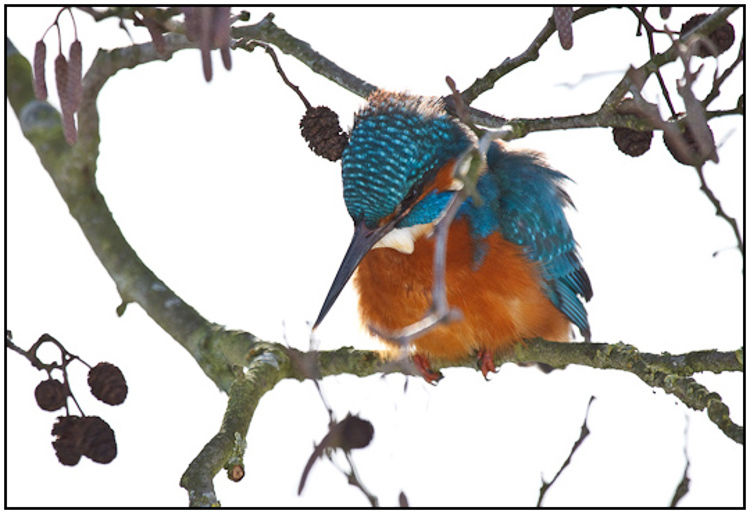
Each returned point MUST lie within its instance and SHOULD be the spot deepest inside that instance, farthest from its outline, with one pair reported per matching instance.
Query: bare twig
(250, 45)
(584, 433)
(660, 59)
(715, 89)
(721, 212)
(266, 30)
(684, 486)
(356, 481)
(531, 53)
(650, 30)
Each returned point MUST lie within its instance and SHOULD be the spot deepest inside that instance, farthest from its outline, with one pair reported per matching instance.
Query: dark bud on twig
(664, 12)
(631, 142)
(687, 150)
(356, 433)
(107, 383)
(351, 433)
(564, 23)
(320, 128)
(40, 83)
(51, 395)
(720, 39)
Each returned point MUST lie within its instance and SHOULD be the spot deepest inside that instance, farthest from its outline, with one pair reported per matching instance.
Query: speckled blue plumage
(399, 142)
(525, 202)
(396, 144)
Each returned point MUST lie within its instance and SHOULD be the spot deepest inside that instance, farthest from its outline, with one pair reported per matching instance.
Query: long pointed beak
(363, 240)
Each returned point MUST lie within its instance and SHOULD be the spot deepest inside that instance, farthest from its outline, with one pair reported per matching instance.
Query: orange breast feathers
(501, 301)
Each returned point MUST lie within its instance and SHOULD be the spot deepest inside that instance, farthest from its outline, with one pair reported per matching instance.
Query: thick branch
(270, 363)
(668, 372)
(218, 350)
(244, 395)
(73, 171)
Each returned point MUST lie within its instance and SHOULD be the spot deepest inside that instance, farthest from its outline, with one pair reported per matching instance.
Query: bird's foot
(486, 362)
(422, 363)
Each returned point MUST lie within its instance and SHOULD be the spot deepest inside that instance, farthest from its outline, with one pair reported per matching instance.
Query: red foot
(486, 362)
(423, 366)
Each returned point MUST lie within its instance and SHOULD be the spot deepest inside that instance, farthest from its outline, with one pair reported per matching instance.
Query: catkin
(40, 83)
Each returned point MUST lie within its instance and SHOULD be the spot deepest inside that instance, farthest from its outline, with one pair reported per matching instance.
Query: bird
(512, 263)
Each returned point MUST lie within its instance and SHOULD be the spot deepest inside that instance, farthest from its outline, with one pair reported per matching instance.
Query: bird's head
(397, 167)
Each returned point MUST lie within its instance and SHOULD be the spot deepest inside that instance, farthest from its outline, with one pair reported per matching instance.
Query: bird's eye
(411, 196)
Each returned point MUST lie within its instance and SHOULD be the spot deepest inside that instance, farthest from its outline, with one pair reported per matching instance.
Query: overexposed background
(219, 195)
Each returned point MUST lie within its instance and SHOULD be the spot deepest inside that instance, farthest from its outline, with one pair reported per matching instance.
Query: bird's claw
(422, 363)
(486, 362)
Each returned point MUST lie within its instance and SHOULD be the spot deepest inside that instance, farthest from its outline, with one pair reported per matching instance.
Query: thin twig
(266, 30)
(356, 481)
(705, 189)
(531, 53)
(584, 433)
(715, 89)
(250, 45)
(652, 52)
(684, 486)
(660, 59)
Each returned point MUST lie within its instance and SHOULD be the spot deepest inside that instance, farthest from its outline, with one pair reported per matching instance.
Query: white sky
(219, 195)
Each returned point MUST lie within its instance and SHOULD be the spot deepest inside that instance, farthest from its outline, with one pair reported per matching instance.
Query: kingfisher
(512, 264)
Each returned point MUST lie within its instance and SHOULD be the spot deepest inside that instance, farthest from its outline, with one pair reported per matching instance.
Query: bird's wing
(527, 201)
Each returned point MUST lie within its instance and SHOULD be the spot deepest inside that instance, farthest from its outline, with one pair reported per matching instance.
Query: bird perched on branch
(512, 267)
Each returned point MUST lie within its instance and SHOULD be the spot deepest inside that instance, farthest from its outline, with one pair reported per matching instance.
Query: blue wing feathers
(528, 207)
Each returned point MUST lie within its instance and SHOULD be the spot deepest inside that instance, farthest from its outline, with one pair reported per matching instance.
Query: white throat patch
(402, 239)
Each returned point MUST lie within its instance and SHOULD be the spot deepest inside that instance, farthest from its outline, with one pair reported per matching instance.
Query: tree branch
(584, 433)
(219, 351)
(248, 388)
(73, 171)
(657, 61)
(266, 30)
(270, 363)
(487, 82)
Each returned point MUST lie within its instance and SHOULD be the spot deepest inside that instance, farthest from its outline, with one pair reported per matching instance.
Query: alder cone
(69, 435)
(320, 128)
(692, 154)
(51, 394)
(108, 383)
(722, 38)
(83, 436)
(631, 142)
(99, 440)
